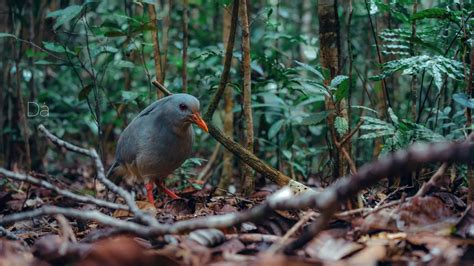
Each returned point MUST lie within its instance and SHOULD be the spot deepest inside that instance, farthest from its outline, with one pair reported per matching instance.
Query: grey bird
(157, 142)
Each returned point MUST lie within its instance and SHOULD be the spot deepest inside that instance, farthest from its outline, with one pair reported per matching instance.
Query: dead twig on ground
(438, 179)
(61, 191)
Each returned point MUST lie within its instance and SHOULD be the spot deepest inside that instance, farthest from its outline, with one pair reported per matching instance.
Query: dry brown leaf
(368, 256)
(443, 250)
(124, 251)
(465, 226)
(12, 253)
(329, 248)
(142, 205)
(180, 207)
(429, 214)
(55, 250)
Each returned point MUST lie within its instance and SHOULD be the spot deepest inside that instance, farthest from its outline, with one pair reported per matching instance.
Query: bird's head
(186, 108)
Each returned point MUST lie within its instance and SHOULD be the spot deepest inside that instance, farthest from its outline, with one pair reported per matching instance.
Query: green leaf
(56, 48)
(287, 154)
(377, 134)
(114, 33)
(435, 12)
(6, 35)
(393, 117)
(128, 96)
(463, 100)
(124, 64)
(338, 80)
(311, 69)
(64, 15)
(341, 125)
(275, 128)
(314, 119)
(43, 62)
(85, 92)
(434, 65)
(343, 87)
(30, 53)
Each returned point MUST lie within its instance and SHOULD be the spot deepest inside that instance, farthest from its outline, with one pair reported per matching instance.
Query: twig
(156, 46)
(227, 62)
(8, 234)
(283, 241)
(63, 192)
(255, 237)
(209, 164)
(97, 216)
(385, 94)
(436, 179)
(389, 196)
(350, 135)
(343, 150)
(162, 88)
(312, 230)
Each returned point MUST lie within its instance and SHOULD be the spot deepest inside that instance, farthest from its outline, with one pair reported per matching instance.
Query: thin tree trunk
(228, 158)
(470, 93)
(414, 80)
(166, 26)
(185, 45)
(330, 53)
(25, 131)
(305, 26)
(248, 176)
(156, 48)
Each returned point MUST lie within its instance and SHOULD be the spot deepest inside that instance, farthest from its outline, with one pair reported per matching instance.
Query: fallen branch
(392, 165)
(94, 215)
(277, 246)
(62, 192)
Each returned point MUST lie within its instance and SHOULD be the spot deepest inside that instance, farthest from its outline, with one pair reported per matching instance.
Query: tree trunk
(166, 26)
(248, 184)
(185, 45)
(330, 52)
(470, 93)
(156, 48)
(414, 80)
(228, 158)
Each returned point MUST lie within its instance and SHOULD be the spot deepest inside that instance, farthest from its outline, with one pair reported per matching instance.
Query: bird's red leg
(166, 190)
(149, 192)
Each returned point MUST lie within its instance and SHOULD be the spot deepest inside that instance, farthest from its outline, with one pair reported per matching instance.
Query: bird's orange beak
(197, 119)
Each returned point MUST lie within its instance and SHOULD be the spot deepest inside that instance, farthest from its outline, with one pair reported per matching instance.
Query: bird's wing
(150, 108)
(129, 142)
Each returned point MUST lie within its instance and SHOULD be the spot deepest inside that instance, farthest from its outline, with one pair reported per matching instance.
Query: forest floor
(390, 229)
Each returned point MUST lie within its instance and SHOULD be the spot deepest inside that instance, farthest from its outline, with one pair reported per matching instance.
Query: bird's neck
(181, 129)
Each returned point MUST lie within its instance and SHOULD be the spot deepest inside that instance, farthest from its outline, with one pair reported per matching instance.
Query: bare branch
(392, 165)
(227, 62)
(63, 192)
(94, 215)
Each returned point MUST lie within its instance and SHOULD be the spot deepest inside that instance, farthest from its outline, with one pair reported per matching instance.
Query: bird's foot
(167, 191)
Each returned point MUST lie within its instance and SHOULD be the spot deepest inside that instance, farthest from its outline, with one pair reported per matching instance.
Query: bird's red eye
(183, 107)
